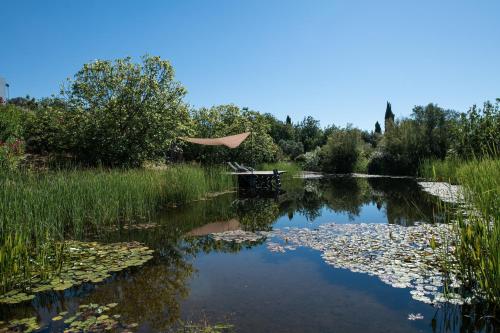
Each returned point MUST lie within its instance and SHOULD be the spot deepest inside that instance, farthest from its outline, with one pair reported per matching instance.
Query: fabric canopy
(231, 141)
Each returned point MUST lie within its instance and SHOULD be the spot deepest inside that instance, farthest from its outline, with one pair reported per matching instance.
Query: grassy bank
(39, 209)
(440, 170)
(478, 229)
(291, 168)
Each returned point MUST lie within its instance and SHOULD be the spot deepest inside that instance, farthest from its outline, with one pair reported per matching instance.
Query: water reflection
(192, 275)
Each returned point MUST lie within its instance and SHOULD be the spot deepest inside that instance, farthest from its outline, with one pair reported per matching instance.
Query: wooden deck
(260, 180)
(258, 173)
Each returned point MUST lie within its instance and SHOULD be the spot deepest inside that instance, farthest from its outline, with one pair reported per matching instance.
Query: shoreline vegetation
(112, 117)
(477, 227)
(39, 211)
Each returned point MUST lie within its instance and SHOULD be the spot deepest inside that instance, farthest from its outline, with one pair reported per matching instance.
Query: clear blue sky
(338, 61)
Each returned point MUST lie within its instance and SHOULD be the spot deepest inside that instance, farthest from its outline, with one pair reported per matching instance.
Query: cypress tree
(288, 120)
(378, 129)
(389, 117)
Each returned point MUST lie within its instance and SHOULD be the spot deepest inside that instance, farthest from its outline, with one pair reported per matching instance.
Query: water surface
(194, 278)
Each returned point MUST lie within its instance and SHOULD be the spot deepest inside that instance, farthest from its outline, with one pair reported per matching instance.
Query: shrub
(310, 161)
(341, 152)
(477, 132)
(291, 148)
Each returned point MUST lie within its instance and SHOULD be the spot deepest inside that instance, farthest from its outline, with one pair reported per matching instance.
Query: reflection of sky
(368, 213)
(296, 292)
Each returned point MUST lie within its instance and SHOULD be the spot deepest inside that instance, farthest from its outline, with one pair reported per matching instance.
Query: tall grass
(291, 169)
(440, 170)
(39, 209)
(478, 228)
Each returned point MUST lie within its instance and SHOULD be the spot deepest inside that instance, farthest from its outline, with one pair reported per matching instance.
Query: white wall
(3, 89)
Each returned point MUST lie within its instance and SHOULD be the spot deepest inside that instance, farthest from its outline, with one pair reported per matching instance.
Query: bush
(310, 161)
(12, 121)
(477, 132)
(224, 120)
(341, 152)
(291, 148)
(126, 113)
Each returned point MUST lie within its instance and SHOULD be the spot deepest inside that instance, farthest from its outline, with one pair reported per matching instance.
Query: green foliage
(477, 132)
(389, 117)
(440, 170)
(12, 121)
(410, 141)
(37, 209)
(54, 130)
(309, 133)
(127, 113)
(224, 120)
(311, 160)
(341, 152)
(378, 129)
(291, 148)
(479, 228)
(291, 169)
(478, 224)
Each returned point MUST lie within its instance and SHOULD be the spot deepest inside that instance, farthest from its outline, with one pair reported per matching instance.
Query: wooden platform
(259, 180)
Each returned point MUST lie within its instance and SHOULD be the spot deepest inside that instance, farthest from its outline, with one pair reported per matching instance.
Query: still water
(194, 278)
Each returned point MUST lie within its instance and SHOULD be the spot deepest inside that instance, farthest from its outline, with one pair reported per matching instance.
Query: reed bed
(37, 210)
(478, 227)
(440, 170)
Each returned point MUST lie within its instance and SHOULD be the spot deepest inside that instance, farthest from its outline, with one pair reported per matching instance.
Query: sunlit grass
(478, 227)
(39, 209)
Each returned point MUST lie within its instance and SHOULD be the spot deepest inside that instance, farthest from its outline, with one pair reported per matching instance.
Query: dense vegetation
(113, 117)
(39, 209)
(121, 114)
(478, 227)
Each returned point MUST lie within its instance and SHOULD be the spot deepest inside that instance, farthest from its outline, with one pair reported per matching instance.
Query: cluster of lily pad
(88, 318)
(26, 325)
(403, 257)
(83, 262)
(444, 191)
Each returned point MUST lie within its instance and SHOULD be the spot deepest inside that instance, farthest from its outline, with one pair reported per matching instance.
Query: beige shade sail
(231, 141)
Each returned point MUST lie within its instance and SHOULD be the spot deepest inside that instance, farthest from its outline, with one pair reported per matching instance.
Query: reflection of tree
(304, 198)
(466, 318)
(347, 194)
(404, 201)
(257, 213)
(207, 244)
(151, 295)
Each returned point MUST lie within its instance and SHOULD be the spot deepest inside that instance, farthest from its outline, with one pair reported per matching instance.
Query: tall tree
(310, 133)
(378, 129)
(389, 117)
(129, 112)
(288, 120)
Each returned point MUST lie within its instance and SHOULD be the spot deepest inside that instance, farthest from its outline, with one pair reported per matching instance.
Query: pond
(275, 278)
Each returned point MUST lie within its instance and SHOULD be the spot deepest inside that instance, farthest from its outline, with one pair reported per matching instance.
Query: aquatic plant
(477, 228)
(39, 210)
(440, 170)
(88, 318)
(79, 262)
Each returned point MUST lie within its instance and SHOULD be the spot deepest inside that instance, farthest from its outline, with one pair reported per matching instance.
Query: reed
(40, 209)
(440, 170)
(478, 248)
(478, 224)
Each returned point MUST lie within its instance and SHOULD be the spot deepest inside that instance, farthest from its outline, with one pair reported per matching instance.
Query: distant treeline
(121, 114)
